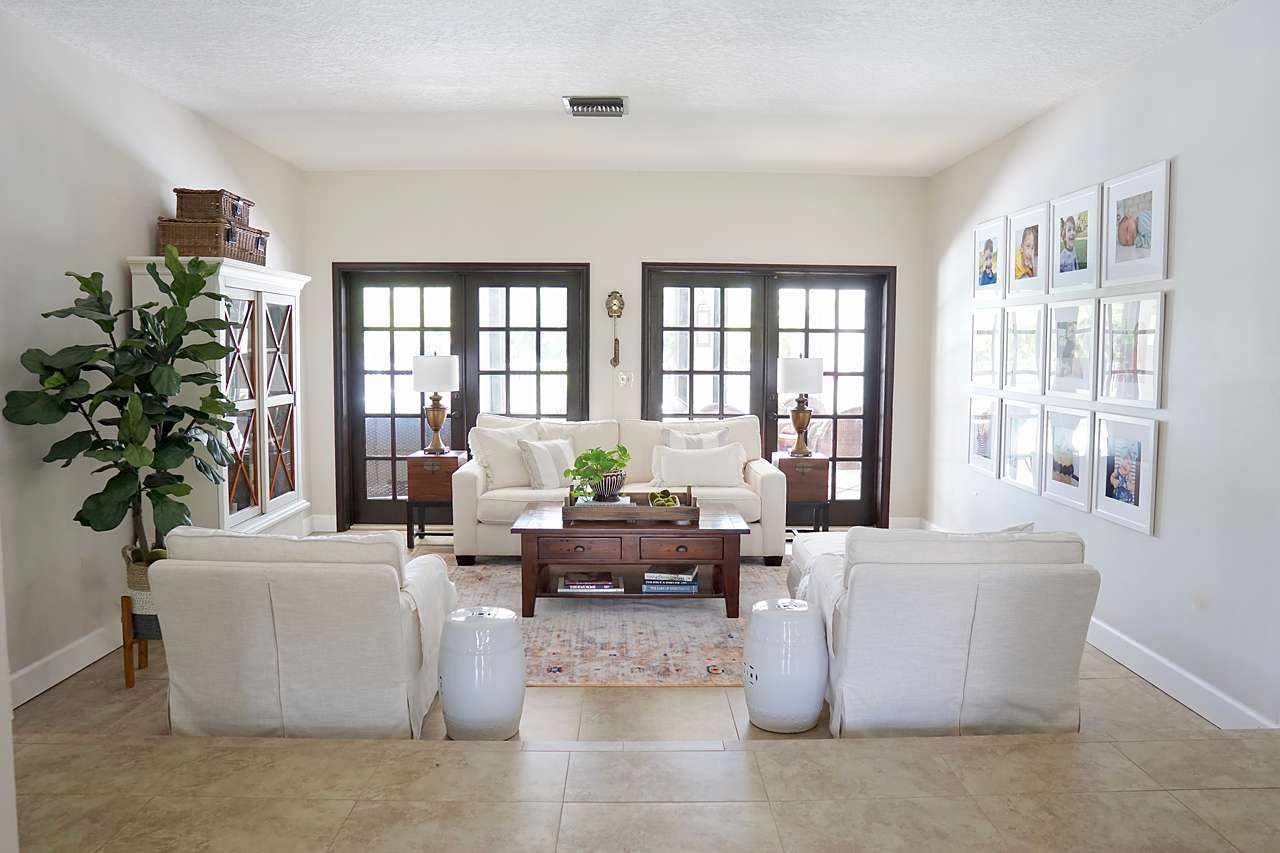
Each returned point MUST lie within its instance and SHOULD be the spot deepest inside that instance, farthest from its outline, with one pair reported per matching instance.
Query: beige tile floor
(604, 769)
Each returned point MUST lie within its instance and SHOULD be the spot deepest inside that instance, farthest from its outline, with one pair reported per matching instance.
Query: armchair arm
(468, 485)
(771, 485)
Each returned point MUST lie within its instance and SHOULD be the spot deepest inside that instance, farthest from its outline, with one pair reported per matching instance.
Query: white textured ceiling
(866, 86)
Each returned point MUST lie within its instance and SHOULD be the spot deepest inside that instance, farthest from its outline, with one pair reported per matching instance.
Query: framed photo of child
(1028, 244)
(1068, 456)
(1125, 471)
(984, 348)
(988, 259)
(1131, 329)
(1024, 349)
(984, 433)
(1074, 228)
(1072, 343)
(1136, 218)
(1020, 445)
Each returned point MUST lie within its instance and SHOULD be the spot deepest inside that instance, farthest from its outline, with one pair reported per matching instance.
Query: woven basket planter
(139, 585)
(217, 239)
(212, 205)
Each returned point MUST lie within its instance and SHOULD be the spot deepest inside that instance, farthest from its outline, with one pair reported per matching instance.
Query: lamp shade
(800, 375)
(433, 373)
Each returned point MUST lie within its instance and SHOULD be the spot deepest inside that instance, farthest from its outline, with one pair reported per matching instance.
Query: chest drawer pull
(681, 549)
(579, 548)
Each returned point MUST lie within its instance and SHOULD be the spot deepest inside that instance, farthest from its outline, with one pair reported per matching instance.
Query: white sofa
(482, 517)
(333, 636)
(944, 634)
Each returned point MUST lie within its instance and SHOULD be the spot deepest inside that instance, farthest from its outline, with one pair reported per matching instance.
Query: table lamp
(802, 377)
(435, 373)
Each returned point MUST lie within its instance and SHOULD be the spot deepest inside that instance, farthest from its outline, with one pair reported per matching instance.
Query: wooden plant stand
(126, 633)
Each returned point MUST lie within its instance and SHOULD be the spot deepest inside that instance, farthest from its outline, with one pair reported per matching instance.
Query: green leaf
(138, 456)
(212, 325)
(176, 490)
(91, 284)
(55, 380)
(34, 360)
(172, 454)
(202, 378)
(210, 473)
(161, 284)
(133, 423)
(132, 362)
(105, 454)
(165, 380)
(214, 403)
(34, 407)
(167, 513)
(74, 356)
(204, 351)
(106, 509)
(218, 451)
(174, 320)
(78, 388)
(70, 447)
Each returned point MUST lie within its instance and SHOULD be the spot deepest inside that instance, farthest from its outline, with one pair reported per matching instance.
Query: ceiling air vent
(595, 105)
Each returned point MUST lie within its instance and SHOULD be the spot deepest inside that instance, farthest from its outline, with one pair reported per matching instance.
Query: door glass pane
(848, 481)
(408, 401)
(555, 394)
(555, 306)
(408, 435)
(524, 306)
(436, 343)
(821, 435)
(737, 351)
(849, 395)
(786, 434)
(436, 302)
(706, 350)
(706, 306)
(493, 393)
(791, 344)
(377, 350)
(675, 306)
(377, 393)
(853, 308)
(280, 457)
(279, 352)
(791, 308)
(706, 395)
(493, 306)
(737, 395)
(737, 307)
(377, 476)
(402, 479)
(376, 306)
(242, 473)
(408, 345)
(853, 350)
(849, 437)
(675, 350)
(555, 351)
(407, 305)
(675, 394)
(822, 309)
(524, 394)
(493, 350)
(823, 345)
(241, 381)
(377, 436)
(524, 351)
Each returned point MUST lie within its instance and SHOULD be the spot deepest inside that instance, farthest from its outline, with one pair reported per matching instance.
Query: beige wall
(1193, 608)
(88, 160)
(615, 221)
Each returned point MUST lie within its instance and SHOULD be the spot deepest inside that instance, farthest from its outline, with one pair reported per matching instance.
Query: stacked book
(683, 582)
(592, 582)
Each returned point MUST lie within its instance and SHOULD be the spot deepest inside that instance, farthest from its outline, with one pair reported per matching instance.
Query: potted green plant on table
(132, 396)
(598, 474)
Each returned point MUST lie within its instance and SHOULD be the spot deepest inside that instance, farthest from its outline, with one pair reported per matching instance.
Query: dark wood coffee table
(545, 540)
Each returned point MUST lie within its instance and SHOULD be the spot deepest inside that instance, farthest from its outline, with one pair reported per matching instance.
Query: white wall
(88, 160)
(1193, 608)
(615, 221)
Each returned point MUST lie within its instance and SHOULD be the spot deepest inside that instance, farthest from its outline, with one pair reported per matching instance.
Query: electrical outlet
(626, 378)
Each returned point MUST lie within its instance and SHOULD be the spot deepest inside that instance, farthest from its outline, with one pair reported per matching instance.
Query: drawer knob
(680, 549)
(802, 470)
(579, 547)
(433, 468)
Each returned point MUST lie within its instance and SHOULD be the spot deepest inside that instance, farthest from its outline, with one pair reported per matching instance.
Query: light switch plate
(626, 378)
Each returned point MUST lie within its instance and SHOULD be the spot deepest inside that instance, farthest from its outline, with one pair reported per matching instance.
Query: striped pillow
(546, 462)
(681, 440)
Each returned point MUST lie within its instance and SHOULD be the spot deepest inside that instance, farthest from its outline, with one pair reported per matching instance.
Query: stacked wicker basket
(213, 224)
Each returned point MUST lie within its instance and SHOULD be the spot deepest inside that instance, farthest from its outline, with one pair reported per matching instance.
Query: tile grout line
(146, 802)
(1199, 817)
(337, 832)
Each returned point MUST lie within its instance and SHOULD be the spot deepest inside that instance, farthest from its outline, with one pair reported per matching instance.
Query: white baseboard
(1197, 694)
(323, 523)
(34, 679)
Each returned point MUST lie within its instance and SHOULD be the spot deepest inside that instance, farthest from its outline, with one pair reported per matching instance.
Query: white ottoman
(785, 665)
(481, 673)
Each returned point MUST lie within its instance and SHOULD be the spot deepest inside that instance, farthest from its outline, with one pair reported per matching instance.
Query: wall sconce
(613, 305)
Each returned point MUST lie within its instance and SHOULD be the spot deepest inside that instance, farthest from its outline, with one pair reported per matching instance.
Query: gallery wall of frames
(1067, 327)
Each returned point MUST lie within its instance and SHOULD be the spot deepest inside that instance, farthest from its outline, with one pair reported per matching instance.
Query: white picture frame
(1075, 219)
(986, 337)
(988, 273)
(1125, 450)
(1136, 221)
(1020, 438)
(1071, 349)
(1131, 349)
(1023, 350)
(1067, 456)
(1027, 273)
(984, 434)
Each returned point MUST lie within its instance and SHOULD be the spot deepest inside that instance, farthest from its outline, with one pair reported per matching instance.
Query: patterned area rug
(629, 642)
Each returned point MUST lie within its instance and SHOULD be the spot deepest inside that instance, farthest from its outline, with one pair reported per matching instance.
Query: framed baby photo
(984, 433)
(1072, 341)
(1125, 471)
(1131, 329)
(1020, 445)
(1136, 215)
(1028, 248)
(984, 348)
(1074, 227)
(988, 259)
(1068, 456)
(1023, 349)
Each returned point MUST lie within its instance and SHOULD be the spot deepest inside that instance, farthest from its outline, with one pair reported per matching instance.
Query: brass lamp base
(800, 417)
(435, 414)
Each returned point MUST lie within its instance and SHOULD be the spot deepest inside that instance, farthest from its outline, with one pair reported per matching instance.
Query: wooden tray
(633, 513)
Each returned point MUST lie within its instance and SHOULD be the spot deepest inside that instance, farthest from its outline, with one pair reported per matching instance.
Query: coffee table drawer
(580, 548)
(678, 548)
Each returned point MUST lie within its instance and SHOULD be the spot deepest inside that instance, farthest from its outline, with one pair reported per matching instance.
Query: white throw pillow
(719, 466)
(684, 440)
(546, 461)
(498, 452)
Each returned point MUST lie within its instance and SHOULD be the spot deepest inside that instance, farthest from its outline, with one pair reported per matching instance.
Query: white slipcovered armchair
(326, 636)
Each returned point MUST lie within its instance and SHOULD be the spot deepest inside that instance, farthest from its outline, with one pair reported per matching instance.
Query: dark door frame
(343, 361)
(651, 352)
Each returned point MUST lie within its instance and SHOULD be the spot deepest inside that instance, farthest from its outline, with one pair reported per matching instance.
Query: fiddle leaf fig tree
(124, 393)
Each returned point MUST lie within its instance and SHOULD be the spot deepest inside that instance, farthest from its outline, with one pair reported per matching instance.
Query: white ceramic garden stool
(481, 674)
(785, 665)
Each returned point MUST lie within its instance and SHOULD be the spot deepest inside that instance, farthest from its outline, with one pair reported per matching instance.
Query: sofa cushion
(584, 434)
(546, 462)
(718, 466)
(498, 452)
(225, 546)
(503, 506)
(744, 499)
(640, 437)
(808, 547)
(905, 546)
(683, 439)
